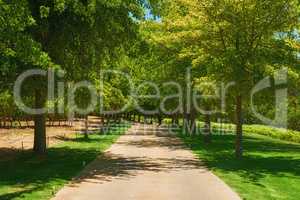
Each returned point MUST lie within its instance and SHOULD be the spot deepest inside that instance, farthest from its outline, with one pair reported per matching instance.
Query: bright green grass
(277, 133)
(270, 169)
(29, 177)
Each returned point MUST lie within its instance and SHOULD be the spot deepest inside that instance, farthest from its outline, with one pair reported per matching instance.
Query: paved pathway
(146, 166)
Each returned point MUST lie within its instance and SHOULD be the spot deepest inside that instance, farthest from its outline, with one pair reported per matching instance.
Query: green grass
(283, 134)
(277, 133)
(30, 177)
(270, 169)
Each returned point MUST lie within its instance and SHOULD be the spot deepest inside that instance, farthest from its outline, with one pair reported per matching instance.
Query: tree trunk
(190, 125)
(108, 120)
(115, 118)
(20, 124)
(239, 127)
(207, 129)
(119, 116)
(159, 119)
(86, 127)
(186, 121)
(193, 123)
(173, 120)
(40, 144)
(176, 119)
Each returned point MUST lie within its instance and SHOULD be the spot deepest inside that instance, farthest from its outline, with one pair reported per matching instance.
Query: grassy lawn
(270, 169)
(277, 133)
(29, 177)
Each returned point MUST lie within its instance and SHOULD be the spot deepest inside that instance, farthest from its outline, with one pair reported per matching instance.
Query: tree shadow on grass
(81, 139)
(62, 164)
(26, 170)
(262, 157)
(14, 195)
(27, 167)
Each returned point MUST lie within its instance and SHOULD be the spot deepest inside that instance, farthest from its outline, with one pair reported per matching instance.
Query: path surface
(145, 166)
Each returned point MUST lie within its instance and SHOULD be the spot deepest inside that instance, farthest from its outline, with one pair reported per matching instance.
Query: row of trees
(222, 41)
(218, 41)
(78, 36)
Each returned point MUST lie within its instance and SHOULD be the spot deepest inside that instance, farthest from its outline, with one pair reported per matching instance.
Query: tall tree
(231, 40)
(73, 34)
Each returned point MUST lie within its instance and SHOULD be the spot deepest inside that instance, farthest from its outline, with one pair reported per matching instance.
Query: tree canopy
(187, 42)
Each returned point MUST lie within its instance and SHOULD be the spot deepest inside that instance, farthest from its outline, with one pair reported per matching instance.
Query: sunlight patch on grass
(269, 170)
(31, 177)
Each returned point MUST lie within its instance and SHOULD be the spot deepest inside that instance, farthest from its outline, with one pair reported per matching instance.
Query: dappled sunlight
(265, 160)
(109, 167)
(58, 167)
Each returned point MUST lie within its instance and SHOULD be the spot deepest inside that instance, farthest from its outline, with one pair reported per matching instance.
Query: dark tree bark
(193, 124)
(40, 144)
(239, 127)
(108, 120)
(119, 118)
(115, 118)
(190, 124)
(86, 127)
(173, 120)
(186, 121)
(159, 119)
(134, 117)
(177, 119)
(207, 129)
